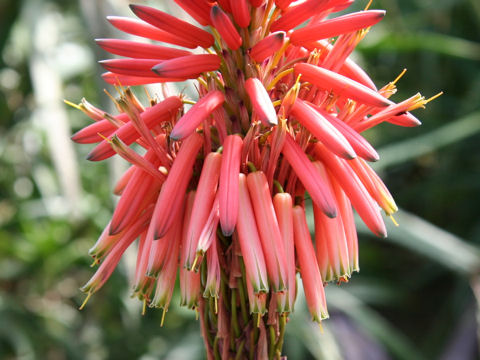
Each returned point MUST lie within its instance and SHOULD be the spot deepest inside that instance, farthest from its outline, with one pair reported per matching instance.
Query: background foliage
(415, 296)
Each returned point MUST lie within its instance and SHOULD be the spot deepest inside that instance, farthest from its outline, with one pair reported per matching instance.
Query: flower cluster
(219, 190)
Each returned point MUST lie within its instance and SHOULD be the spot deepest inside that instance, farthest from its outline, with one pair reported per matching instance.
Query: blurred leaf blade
(430, 41)
(428, 240)
(445, 135)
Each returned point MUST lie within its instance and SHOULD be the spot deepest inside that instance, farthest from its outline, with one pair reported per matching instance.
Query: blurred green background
(416, 295)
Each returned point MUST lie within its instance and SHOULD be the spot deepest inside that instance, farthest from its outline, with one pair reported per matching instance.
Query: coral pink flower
(206, 190)
(202, 109)
(261, 103)
(225, 28)
(228, 187)
(267, 46)
(170, 199)
(249, 240)
(267, 224)
(312, 280)
(217, 183)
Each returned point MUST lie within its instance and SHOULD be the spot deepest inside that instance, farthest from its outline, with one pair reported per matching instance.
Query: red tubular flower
(284, 100)
(334, 27)
(241, 12)
(153, 116)
(225, 28)
(358, 195)
(361, 146)
(309, 177)
(282, 203)
(142, 29)
(132, 80)
(341, 85)
(206, 190)
(312, 280)
(250, 243)
(330, 236)
(189, 67)
(300, 13)
(173, 25)
(322, 129)
(257, 3)
(139, 50)
(270, 235)
(228, 186)
(261, 103)
(199, 112)
(140, 190)
(170, 198)
(131, 67)
(198, 9)
(267, 46)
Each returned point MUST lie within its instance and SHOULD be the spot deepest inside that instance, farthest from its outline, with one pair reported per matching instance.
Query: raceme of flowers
(219, 187)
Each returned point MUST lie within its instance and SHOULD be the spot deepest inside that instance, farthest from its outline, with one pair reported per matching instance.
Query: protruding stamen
(163, 316)
(89, 295)
(433, 97)
(144, 307)
(78, 107)
(393, 220)
(399, 76)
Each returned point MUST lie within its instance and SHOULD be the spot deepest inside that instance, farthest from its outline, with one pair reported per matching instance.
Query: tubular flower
(219, 185)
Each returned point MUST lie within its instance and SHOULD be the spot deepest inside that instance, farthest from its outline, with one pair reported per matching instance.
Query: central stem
(231, 331)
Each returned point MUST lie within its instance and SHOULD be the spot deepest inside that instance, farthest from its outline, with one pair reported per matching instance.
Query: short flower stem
(283, 324)
(271, 343)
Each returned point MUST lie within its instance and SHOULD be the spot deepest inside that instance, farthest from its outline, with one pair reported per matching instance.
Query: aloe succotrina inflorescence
(218, 193)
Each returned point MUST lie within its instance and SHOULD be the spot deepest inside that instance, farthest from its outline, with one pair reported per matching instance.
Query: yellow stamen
(95, 262)
(434, 97)
(278, 77)
(195, 262)
(89, 295)
(399, 77)
(216, 305)
(190, 102)
(112, 98)
(368, 5)
(78, 107)
(105, 138)
(393, 220)
(144, 307)
(277, 103)
(196, 313)
(321, 328)
(163, 316)
(119, 88)
(258, 320)
(279, 54)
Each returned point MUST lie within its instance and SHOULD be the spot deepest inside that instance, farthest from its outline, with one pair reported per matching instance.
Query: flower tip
(382, 233)
(134, 8)
(92, 156)
(331, 213)
(215, 10)
(174, 136)
(373, 157)
(227, 231)
(349, 155)
(157, 68)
